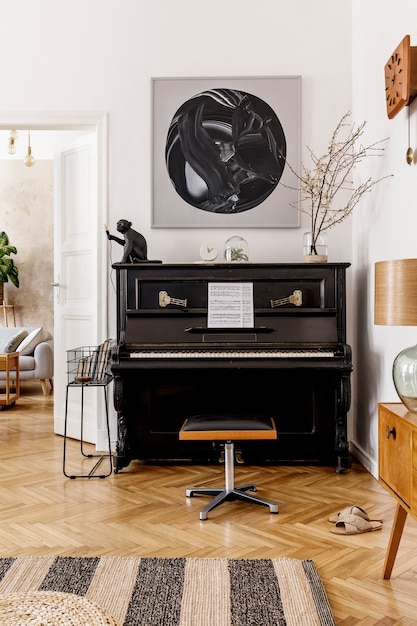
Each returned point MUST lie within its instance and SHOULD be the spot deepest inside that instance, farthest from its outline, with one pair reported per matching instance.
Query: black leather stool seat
(228, 428)
(218, 427)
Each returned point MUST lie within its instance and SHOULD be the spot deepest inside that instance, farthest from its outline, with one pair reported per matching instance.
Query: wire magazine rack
(89, 366)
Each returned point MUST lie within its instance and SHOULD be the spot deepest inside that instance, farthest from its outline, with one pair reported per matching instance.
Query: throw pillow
(12, 344)
(29, 344)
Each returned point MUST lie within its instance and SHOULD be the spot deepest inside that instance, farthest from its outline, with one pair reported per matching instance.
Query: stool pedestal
(226, 428)
(229, 492)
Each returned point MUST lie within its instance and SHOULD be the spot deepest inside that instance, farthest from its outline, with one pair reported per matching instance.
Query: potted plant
(327, 194)
(8, 270)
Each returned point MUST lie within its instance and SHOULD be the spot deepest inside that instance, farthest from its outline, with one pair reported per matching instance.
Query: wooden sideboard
(397, 468)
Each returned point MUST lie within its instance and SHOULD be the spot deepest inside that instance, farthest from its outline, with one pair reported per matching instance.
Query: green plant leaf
(8, 269)
(4, 240)
(7, 250)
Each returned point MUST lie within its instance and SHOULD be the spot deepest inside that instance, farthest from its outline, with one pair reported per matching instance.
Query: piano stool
(228, 428)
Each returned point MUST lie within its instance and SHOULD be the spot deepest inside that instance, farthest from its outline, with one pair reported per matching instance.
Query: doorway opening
(69, 125)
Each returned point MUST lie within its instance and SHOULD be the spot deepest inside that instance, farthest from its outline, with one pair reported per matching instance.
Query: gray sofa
(37, 359)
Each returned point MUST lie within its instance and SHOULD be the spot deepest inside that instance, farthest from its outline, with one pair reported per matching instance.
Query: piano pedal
(238, 458)
(218, 450)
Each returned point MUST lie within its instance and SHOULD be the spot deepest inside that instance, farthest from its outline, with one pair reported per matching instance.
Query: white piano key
(232, 354)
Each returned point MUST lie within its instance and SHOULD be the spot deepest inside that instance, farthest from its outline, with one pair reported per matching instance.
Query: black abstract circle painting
(225, 151)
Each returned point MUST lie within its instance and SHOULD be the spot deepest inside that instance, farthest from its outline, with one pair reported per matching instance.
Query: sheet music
(230, 305)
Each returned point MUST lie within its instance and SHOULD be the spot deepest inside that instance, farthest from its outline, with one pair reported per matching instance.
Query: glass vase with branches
(327, 193)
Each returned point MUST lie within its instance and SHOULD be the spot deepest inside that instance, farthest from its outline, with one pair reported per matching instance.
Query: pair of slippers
(353, 520)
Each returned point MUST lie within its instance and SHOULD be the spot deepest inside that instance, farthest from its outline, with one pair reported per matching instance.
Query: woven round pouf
(51, 608)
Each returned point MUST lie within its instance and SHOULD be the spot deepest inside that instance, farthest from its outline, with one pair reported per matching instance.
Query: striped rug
(180, 592)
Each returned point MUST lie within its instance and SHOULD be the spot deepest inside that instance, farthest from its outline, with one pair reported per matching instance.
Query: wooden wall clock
(401, 77)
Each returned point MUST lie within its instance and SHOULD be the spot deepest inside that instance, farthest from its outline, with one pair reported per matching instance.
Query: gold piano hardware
(295, 298)
(165, 299)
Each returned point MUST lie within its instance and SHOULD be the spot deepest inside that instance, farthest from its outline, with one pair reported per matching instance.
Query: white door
(79, 299)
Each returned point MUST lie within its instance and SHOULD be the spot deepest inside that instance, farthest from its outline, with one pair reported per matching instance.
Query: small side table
(8, 362)
(91, 474)
(89, 366)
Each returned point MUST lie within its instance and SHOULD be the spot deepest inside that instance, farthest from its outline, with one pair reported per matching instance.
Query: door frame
(77, 121)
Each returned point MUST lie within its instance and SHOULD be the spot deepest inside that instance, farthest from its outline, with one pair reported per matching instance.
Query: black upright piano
(291, 363)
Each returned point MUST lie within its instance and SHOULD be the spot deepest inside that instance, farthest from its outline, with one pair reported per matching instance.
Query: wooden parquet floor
(143, 511)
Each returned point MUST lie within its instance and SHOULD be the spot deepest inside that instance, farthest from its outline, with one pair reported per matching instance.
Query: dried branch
(331, 176)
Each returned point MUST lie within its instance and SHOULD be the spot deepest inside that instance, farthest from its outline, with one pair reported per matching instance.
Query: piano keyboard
(232, 354)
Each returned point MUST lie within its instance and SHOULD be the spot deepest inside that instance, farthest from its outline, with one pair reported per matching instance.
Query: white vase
(315, 251)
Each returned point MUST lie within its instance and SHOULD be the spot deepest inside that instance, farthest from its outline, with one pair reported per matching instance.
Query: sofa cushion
(29, 344)
(11, 344)
(26, 363)
(8, 332)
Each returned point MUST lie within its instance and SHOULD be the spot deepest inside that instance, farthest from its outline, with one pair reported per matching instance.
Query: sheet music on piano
(230, 305)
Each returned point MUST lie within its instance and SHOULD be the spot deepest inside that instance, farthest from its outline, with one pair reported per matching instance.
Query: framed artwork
(226, 152)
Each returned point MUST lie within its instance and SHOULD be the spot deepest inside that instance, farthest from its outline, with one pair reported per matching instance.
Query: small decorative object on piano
(135, 246)
(318, 244)
(236, 249)
(90, 364)
(326, 190)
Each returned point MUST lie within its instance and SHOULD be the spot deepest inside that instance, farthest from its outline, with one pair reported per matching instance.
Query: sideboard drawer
(396, 443)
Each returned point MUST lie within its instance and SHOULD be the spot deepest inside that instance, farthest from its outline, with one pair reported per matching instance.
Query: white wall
(385, 227)
(100, 55)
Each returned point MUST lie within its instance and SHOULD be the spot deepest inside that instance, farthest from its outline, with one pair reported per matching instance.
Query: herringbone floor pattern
(143, 511)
